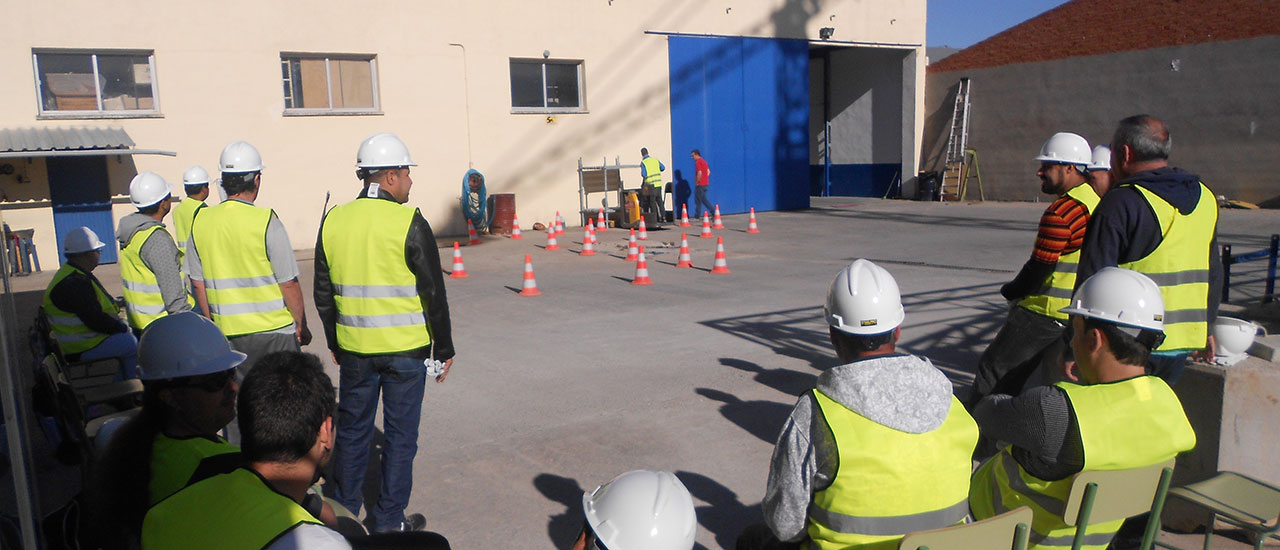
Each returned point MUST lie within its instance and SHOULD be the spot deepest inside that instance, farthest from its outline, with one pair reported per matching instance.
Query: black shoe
(412, 522)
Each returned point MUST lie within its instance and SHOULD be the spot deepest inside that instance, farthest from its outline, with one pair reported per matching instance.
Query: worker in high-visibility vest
(149, 259)
(1162, 222)
(1110, 416)
(85, 319)
(195, 182)
(651, 188)
(638, 510)
(381, 299)
(1031, 338)
(1098, 175)
(879, 448)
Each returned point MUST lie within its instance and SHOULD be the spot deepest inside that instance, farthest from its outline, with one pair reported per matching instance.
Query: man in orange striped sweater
(1032, 333)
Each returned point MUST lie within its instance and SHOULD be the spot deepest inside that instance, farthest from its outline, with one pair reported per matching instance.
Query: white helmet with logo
(81, 239)
(238, 157)
(864, 300)
(642, 510)
(384, 150)
(1120, 296)
(1101, 158)
(195, 175)
(184, 344)
(1066, 148)
(148, 189)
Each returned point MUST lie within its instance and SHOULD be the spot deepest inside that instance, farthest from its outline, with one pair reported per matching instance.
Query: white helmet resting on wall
(642, 510)
(182, 345)
(383, 150)
(195, 175)
(864, 300)
(148, 189)
(238, 157)
(81, 239)
(1101, 158)
(1121, 297)
(1066, 148)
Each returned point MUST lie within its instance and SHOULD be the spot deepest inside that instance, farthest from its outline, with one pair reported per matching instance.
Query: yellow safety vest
(174, 461)
(142, 298)
(1128, 424)
(235, 511)
(183, 216)
(1180, 265)
(72, 334)
(890, 483)
(244, 296)
(653, 171)
(1056, 292)
(379, 308)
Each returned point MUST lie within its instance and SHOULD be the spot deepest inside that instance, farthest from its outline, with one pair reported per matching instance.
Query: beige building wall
(219, 79)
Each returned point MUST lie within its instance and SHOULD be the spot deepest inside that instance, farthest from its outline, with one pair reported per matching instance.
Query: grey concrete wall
(1219, 100)
(867, 124)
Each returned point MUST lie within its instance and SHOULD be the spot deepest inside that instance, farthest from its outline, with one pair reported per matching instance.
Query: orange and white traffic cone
(706, 227)
(684, 216)
(559, 224)
(459, 270)
(530, 285)
(632, 251)
(515, 228)
(551, 237)
(685, 259)
(601, 225)
(644, 233)
(720, 267)
(642, 271)
(588, 242)
(717, 224)
(751, 224)
(471, 232)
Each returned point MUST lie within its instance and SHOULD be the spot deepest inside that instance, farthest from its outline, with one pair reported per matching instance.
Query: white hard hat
(1119, 296)
(81, 239)
(195, 175)
(239, 157)
(1065, 148)
(1101, 158)
(383, 150)
(642, 510)
(184, 344)
(1233, 336)
(864, 299)
(148, 189)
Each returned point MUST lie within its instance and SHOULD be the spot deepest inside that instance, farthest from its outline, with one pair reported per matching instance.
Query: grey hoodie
(903, 392)
(160, 255)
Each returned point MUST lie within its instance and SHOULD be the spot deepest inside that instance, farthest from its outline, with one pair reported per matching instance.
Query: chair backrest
(1007, 530)
(1118, 494)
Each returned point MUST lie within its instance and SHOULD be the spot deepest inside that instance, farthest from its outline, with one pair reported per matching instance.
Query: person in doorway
(195, 182)
(1099, 175)
(702, 182)
(651, 191)
(149, 259)
(879, 448)
(475, 207)
(638, 510)
(85, 319)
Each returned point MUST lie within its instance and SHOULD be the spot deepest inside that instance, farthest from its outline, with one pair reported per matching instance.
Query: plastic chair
(1238, 500)
(1007, 530)
(92, 381)
(1104, 496)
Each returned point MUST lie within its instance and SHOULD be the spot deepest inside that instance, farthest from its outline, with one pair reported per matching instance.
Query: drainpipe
(466, 91)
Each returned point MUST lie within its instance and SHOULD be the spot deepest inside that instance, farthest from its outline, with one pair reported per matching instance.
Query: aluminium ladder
(957, 143)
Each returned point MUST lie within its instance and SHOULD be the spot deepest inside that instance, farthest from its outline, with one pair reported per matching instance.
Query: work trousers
(700, 200)
(122, 346)
(256, 346)
(1167, 366)
(1027, 341)
(401, 382)
(654, 202)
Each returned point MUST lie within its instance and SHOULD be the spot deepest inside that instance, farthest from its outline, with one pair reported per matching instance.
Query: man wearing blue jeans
(381, 298)
(85, 319)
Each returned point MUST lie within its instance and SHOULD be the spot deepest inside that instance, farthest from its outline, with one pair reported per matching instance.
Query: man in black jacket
(84, 318)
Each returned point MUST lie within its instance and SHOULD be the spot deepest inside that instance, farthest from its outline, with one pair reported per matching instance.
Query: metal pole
(826, 160)
(13, 401)
(1271, 270)
(1226, 273)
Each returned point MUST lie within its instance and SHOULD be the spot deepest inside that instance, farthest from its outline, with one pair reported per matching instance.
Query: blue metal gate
(81, 195)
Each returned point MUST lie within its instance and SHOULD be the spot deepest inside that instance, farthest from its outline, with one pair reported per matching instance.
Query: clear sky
(963, 23)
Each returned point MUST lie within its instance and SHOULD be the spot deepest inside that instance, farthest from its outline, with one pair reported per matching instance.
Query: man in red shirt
(702, 176)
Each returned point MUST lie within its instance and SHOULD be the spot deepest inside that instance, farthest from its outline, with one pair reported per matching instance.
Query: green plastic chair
(1103, 496)
(1238, 500)
(1007, 530)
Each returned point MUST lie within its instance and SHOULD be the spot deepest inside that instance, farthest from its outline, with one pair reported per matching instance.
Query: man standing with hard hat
(1032, 332)
(1162, 222)
(638, 510)
(1111, 416)
(651, 170)
(195, 182)
(149, 260)
(84, 318)
(381, 298)
(879, 448)
(1099, 174)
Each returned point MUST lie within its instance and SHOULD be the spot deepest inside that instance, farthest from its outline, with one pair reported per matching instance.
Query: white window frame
(43, 113)
(376, 109)
(582, 86)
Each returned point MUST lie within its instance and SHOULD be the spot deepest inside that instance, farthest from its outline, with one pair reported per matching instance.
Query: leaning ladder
(957, 143)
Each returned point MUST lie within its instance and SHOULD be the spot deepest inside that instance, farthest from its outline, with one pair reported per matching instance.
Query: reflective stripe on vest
(183, 216)
(72, 334)
(1129, 424)
(652, 170)
(229, 511)
(142, 298)
(1180, 265)
(1056, 292)
(174, 461)
(376, 295)
(889, 482)
(244, 296)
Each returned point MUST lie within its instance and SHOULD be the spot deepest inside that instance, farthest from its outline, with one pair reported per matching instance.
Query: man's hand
(1210, 351)
(447, 363)
(303, 334)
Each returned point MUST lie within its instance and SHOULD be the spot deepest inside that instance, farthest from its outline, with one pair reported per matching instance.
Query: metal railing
(1268, 253)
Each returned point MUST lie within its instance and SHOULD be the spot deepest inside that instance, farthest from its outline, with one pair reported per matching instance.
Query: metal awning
(70, 142)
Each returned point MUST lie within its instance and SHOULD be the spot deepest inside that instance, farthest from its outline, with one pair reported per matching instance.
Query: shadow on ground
(725, 515)
(762, 419)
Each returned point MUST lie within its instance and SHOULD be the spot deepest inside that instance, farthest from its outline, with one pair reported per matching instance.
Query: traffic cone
(601, 225)
(706, 227)
(459, 270)
(751, 224)
(471, 232)
(515, 228)
(588, 243)
(718, 224)
(720, 267)
(685, 259)
(559, 224)
(642, 271)
(530, 285)
(551, 237)
(684, 216)
(632, 251)
(644, 233)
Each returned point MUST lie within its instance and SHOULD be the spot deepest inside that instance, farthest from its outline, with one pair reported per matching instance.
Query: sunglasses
(207, 382)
